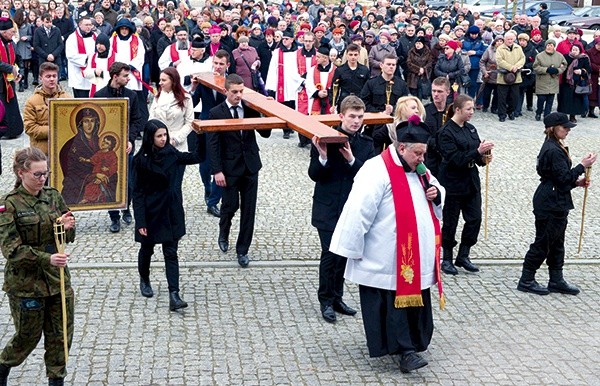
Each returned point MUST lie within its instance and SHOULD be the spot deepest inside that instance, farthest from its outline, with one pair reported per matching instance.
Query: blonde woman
(406, 107)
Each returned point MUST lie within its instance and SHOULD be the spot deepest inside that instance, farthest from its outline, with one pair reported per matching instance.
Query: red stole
(133, 50)
(81, 44)
(175, 52)
(322, 102)
(10, 59)
(408, 259)
(280, 81)
(302, 105)
(109, 62)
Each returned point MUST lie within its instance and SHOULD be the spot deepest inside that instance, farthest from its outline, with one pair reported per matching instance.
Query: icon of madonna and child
(90, 160)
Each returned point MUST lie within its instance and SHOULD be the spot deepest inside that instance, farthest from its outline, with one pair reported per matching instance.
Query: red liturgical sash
(408, 258)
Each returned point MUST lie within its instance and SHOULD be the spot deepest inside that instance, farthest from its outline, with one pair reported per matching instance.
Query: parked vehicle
(556, 8)
(592, 23)
(589, 11)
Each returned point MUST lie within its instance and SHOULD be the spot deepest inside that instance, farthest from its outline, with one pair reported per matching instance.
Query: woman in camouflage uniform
(31, 273)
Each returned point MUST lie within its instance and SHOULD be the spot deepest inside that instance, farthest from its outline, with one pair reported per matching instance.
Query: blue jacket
(476, 45)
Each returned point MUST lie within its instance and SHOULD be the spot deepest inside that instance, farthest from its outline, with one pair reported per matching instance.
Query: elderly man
(178, 52)
(509, 59)
(389, 231)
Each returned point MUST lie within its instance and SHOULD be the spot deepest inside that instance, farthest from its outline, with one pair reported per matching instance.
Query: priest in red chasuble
(389, 231)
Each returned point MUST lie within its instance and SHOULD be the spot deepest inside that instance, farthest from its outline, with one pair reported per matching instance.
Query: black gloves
(552, 70)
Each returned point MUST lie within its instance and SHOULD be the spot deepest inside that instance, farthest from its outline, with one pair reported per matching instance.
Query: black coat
(452, 68)
(45, 45)
(557, 178)
(373, 93)
(265, 52)
(157, 196)
(458, 147)
(351, 82)
(334, 180)
(433, 120)
(568, 101)
(230, 152)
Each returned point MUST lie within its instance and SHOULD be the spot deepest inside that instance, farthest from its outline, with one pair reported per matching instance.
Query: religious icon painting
(88, 152)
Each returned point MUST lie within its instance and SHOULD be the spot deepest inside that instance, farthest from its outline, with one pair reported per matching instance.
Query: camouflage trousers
(32, 317)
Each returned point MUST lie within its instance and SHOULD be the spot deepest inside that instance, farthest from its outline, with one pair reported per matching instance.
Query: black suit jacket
(45, 45)
(230, 152)
(334, 180)
(207, 96)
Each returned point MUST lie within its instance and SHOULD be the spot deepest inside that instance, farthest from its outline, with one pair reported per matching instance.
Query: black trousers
(470, 205)
(390, 330)
(544, 104)
(508, 96)
(549, 244)
(171, 262)
(331, 272)
(291, 105)
(114, 214)
(240, 193)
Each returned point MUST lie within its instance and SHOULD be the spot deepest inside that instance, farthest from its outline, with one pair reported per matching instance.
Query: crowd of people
(316, 59)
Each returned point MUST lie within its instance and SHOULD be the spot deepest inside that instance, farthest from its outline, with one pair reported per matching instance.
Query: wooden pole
(487, 188)
(588, 172)
(59, 238)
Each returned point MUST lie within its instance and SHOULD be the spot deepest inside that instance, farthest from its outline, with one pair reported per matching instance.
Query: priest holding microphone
(389, 231)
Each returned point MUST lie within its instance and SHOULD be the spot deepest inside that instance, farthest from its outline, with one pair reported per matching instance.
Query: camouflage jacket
(27, 241)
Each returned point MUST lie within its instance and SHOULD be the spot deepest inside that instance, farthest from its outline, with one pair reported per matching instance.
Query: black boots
(146, 288)
(447, 266)
(527, 283)
(462, 260)
(175, 302)
(4, 370)
(56, 381)
(591, 113)
(558, 284)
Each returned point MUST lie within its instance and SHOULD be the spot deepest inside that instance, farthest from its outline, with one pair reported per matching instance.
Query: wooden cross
(277, 116)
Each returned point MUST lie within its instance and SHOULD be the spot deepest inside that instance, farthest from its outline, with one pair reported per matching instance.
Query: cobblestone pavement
(262, 325)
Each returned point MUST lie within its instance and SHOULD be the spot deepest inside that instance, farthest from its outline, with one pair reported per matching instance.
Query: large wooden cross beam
(277, 116)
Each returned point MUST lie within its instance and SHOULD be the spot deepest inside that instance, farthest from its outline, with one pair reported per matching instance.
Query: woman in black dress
(578, 70)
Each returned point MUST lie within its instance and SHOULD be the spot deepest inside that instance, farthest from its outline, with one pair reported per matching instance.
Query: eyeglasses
(39, 175)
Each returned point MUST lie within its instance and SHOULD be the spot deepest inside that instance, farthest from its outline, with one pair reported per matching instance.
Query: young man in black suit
(333, 167)
(235, 162)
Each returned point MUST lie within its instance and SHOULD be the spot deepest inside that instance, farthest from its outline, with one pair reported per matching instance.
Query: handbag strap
(245, 61)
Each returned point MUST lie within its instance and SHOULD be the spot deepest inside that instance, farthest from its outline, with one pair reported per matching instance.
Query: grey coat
(546, 83)
(23, 47)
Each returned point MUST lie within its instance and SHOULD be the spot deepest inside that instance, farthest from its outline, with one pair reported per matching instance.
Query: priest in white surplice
(389, 231)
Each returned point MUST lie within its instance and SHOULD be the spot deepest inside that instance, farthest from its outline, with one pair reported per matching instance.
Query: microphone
(422, 172)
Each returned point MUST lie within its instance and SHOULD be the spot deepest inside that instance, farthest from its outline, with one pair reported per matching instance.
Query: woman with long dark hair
(551, 205)
(158, 205)
(173, 106)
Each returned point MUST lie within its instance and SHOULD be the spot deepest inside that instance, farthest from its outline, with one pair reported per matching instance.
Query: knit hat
(319, 28)
(444, 36)
(354, 23)
(523, 36)
(535, 32)
(421, 39)
(550, 41)
(473, 30)
(356, 37)
(305, 25)
(452, 44)
(385, 35)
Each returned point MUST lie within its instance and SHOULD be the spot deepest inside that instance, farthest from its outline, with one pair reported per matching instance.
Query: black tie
(235, 112)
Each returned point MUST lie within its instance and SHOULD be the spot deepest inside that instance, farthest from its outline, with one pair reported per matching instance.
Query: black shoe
(286, 135)
(56, 381)
(512, 116)
(494, 111)
(21, 89)
(592, 115)
(146, 288)
(127, 219)
(175, 302)
(35, 83)
(502, 119)
(538, 117)
(532, 286)
(529, 108)
(115, 226)
(449, 268)
(563, 287)
(343, 308)
(223, 244)
(465, 263)
(25, 86)
(572, 118)
(214, 210)
(411, 361)
(328, 314)
(243, 260)
(484, 110)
